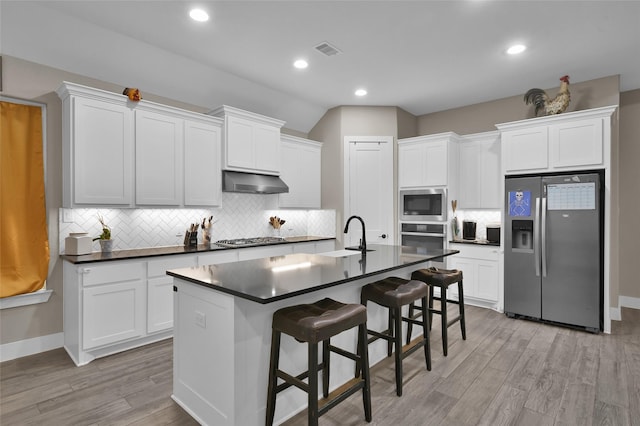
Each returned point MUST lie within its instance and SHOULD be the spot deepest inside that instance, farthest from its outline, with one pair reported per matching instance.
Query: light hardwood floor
(506, 372)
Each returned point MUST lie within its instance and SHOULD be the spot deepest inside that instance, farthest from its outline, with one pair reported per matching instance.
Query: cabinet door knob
(383, 236)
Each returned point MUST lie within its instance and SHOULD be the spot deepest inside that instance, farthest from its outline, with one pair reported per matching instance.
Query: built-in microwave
(423, 205)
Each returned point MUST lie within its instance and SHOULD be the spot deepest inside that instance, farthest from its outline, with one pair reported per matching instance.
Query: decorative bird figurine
(132, 93)
(541, 101)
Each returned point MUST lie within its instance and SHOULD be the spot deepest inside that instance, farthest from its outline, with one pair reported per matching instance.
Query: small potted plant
(106, 243)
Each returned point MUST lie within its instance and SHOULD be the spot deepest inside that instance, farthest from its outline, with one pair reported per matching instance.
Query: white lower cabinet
(159, 304)
(112, 313)
(480, 273)
(264, 251)
(314, 247)
(160, 290)
(114, 306)
(214, 258)
(105, 308)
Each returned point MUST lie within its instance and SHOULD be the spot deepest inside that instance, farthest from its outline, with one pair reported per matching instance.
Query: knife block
(191, 239)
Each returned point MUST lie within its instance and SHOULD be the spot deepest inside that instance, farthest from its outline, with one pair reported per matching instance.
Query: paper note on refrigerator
(571, 196)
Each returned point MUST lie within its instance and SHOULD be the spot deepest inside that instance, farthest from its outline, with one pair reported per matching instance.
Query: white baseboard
(614, 314)
(26, 347)
(629, 302)
(623, 302)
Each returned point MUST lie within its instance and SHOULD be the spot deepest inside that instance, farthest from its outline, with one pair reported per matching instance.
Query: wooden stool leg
(313, 385)
(443, 315)
(326, 355)
(273, 379)
(398, 344)
(463, 327)
(364, 362)
(426, 334)
(390, 328)
(410, 324)
(359, 346)
(430, 306)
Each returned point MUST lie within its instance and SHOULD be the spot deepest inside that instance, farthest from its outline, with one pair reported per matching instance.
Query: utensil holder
(191, 238)
(206, 236)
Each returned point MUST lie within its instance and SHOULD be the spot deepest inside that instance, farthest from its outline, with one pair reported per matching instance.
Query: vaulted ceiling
(423, 56)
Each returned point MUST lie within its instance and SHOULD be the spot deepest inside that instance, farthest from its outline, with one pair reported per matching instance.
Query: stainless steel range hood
(252, 183)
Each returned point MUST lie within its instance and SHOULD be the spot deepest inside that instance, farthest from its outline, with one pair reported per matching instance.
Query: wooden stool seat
(394, 293)
(316, 323)
(443, 278)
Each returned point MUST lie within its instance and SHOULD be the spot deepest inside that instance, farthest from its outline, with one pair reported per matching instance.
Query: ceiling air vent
(327, 49)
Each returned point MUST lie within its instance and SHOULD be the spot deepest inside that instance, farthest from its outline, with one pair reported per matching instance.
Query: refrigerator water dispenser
(522, 234)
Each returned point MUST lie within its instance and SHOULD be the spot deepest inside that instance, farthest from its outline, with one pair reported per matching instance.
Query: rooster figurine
(541, 101)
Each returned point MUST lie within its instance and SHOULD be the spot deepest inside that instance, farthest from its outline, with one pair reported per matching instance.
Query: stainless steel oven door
(424, 237)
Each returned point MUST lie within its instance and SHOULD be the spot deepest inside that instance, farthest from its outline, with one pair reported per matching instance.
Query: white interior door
(369, 188)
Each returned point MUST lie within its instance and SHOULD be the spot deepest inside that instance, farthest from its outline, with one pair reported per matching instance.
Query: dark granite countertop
(170, 250)
(280, 277)
(476, 242)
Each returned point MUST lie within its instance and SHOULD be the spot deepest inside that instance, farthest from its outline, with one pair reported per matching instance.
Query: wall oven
(423, 205)
(424, 237)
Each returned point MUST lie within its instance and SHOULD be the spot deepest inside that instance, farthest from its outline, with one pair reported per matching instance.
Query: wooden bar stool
(442, 278)
(315, 323)
(394, 293)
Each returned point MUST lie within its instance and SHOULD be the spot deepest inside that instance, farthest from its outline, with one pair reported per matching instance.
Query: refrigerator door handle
(543, 251)
(536, 238)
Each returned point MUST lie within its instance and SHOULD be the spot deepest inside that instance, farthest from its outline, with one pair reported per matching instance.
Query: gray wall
(483, 117)
(26, 80)
(344, 121)
(629, 190)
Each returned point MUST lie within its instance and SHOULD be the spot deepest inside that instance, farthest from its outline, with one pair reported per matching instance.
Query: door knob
(383, 236)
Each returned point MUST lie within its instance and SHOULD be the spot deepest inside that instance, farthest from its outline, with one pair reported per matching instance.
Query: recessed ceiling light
(301, 64)
(516, 48)
(199, 15)
(361, 92)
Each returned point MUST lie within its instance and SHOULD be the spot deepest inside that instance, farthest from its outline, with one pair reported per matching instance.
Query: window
(24, 242)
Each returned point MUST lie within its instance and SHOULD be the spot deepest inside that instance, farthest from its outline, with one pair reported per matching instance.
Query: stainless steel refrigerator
(553, 253)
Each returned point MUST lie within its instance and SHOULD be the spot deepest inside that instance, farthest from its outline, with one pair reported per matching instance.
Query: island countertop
(276, 278)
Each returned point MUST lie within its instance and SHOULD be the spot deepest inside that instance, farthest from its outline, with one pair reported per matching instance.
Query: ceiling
(423, 56)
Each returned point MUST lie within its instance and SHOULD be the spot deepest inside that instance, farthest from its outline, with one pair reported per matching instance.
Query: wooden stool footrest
(339, 394)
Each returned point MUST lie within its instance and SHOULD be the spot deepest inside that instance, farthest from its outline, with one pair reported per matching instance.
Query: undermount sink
(357, 249)
(339, 253)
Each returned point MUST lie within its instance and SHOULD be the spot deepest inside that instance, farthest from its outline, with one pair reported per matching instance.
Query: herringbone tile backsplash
(241, 216)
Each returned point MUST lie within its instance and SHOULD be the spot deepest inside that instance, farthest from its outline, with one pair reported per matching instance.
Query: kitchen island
(222, 325)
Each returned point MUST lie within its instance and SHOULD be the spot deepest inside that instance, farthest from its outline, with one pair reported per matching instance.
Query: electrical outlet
(201, 319)
(67, 216)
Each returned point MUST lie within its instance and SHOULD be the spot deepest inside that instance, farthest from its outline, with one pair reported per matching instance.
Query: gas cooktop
(247, 242)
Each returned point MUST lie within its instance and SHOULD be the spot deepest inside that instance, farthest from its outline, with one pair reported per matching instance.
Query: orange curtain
(24, 243)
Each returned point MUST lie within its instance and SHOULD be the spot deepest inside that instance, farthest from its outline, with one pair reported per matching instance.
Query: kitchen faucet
(363, 242)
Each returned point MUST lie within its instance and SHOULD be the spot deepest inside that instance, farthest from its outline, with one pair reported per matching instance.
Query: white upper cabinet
(571, 141)
(104, 132)
(526, 149)
(98, 148)
(480, 175)
(427, 160)
(202, 169)
(576, 143)
(301, 171)
(159, 150)
(251, 142)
